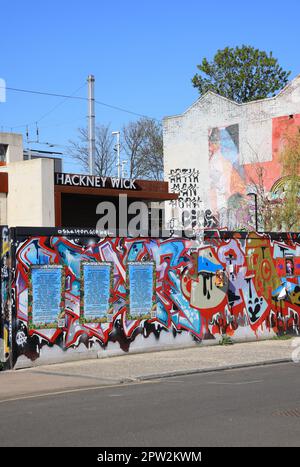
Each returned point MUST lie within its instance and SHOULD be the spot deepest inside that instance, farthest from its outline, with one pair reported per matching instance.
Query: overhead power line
(114, 107)
(124, 110)
(60, 103)
(50, 111)
(30, 91)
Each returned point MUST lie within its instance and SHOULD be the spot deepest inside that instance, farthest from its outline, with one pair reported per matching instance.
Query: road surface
(257, 406)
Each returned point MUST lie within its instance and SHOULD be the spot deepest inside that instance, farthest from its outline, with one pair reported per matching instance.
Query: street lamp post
(255, 206)
(91, 124)
(117, 134)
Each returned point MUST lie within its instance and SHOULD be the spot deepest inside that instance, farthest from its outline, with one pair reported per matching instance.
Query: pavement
(135, 368)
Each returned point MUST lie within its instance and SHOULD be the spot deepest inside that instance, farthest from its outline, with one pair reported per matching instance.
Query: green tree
(241, 74)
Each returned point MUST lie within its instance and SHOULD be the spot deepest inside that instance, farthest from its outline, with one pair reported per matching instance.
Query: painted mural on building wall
(242, 287)
(227, 177)
(231, 179)
(282, 128)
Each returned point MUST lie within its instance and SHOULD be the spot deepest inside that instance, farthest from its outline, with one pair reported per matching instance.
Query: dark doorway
(80, 210)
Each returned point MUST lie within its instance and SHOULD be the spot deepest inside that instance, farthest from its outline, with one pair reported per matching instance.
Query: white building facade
(213, 150)
(27, 194)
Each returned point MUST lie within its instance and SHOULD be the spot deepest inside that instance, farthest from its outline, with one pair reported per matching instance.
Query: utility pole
(117, 134)
(91, 123)
(256, 209)
(124, 171)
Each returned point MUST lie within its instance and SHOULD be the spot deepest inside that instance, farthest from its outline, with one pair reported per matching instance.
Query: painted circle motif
(266, 270)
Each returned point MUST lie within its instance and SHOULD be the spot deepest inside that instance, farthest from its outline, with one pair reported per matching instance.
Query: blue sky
(143, 55)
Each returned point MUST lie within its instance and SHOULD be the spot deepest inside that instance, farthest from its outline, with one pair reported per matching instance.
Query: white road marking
(174, 381)
(122, 385)
(71, 391)
(235, 382)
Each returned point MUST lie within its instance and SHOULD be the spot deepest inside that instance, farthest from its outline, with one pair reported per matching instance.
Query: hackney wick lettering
(93, 181)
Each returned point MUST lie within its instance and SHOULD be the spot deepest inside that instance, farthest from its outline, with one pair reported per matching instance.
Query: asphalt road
(246, 407)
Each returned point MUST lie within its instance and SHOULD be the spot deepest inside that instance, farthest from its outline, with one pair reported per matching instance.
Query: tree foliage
(280, 210)
(241, 74)
(104, 154)
(141, 146)
(265, 206)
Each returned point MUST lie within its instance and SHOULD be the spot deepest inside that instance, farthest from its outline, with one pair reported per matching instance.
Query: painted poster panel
(140, 290)
(45, 296)
(96, 285)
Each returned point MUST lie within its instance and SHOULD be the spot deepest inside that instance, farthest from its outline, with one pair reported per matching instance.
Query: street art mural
(282, 128)
(231, 179)
(238, 285)
(227, 176)
(5, 316)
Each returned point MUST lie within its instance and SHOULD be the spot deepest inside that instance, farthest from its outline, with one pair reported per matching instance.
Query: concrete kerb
(170, 374)
(212, 370)
(192, 371)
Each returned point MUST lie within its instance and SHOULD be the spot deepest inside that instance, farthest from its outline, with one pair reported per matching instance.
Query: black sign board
(93, 181)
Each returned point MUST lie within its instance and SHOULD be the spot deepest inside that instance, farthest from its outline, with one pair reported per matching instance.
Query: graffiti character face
(220, 278)
(203, 289)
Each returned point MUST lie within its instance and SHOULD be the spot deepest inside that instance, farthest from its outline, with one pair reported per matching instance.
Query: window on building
(3, 152)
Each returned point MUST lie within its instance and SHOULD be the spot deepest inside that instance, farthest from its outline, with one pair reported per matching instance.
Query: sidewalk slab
(142, 367)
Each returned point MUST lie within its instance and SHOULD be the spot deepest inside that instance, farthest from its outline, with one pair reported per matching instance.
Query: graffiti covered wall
(5, 309)
(84, 296)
